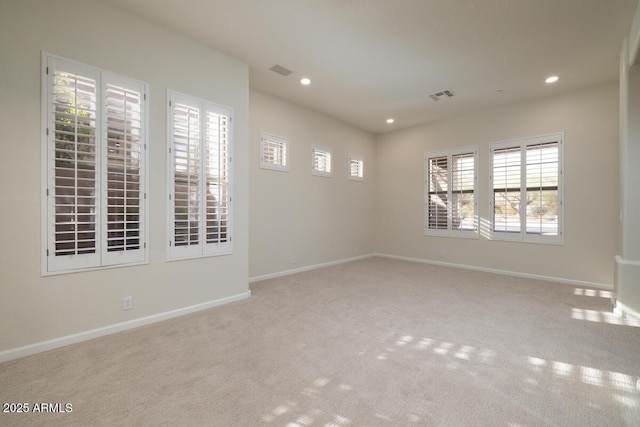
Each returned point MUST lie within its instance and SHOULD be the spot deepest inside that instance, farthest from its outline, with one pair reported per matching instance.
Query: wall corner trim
(43, 346)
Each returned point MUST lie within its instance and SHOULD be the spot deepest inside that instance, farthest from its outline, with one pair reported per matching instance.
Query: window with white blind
(274, 152)
(199, 163)
(450, 193)
(94, 158)
(356, 168)
(321, 161)
(526, 183)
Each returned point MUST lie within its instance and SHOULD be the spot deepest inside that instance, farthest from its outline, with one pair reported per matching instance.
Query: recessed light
(390, 120)
(551, 79)
(305, 81)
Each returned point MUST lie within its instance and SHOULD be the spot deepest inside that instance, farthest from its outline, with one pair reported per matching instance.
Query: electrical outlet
(127, 303)
(442, 253)
(294, 260)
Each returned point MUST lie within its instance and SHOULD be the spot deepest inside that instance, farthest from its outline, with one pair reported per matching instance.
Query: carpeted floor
(377, 342)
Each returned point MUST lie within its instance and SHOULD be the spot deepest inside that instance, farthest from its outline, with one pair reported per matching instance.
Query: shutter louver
(273, 152)
(356, 168)
(526, 181)
(200, 162)
(95, 164)
(124, 153)
(462, 192)
(75, 171)
(507, 203)
(438, 192)
(217, 177)
(321, 158)
(542, 189)
(450, 196)
(186, 152)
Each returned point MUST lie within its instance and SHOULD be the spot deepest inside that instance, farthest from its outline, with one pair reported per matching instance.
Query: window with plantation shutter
(274, 152)
(321, 161)
(526, 183)
(200, 178)
(94, 148)
(356, 168)
(450, 193)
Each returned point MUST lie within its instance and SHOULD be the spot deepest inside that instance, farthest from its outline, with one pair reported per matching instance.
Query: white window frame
(101, 257)
(325, 151)
(280, 146)
(358, 161)
(450, 231)
(523, 235)
(202, 248)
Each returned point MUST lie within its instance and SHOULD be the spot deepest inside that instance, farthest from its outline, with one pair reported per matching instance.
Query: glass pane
(542, 212)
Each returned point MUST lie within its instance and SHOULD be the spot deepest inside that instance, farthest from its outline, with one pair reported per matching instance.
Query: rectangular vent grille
(442, 94)
(280, 70)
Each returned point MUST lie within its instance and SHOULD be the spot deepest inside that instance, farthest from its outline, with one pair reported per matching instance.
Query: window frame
(102, 258)
(321, 149)
(449, 155)
(275, 139)
(522, 235)
(360, 168)
(202, 249)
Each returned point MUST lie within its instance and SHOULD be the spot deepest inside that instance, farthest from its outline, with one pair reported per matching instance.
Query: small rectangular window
(321, 161)
(274, 153)
(450, 193)
(356, 168)
(526, 183)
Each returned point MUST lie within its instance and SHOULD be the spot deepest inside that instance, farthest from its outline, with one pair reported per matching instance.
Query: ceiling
(369, 60)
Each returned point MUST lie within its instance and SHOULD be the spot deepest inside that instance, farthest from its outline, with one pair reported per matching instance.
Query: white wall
(627, 279)
(294, 214)
(34, 308)
(589, 120)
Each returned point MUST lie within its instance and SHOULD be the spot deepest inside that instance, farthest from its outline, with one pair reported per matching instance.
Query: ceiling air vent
(442, 94)
(280, 70)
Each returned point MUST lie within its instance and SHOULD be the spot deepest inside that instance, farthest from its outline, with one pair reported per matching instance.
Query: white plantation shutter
(217, 182)
(321, 160)
(124, 171)
(73, 169)
(95, 162)
(527, 188)
(356, 168)
(200, 173)
(450, 193)
(274, 152)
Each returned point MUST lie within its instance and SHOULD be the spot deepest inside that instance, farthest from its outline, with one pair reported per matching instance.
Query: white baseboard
(504, 272)
(622, 310)
(28, 350)
(307, 268)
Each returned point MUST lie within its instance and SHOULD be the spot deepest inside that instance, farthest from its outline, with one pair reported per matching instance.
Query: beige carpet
(377, 342)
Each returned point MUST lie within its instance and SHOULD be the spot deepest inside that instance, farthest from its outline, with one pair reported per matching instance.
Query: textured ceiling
(373, 59)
